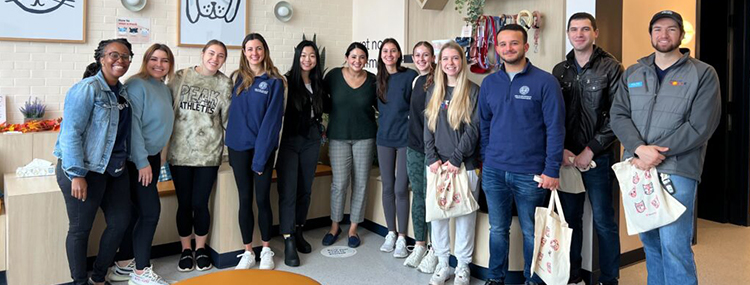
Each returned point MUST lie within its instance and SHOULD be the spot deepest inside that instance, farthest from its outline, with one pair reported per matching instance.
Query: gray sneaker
(401, 251)
(119, 273)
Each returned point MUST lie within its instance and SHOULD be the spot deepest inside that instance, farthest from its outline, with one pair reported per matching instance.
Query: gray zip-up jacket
(446, 144)
(680, 113)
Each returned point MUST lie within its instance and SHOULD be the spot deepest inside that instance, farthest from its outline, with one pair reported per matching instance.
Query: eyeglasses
(115, 56)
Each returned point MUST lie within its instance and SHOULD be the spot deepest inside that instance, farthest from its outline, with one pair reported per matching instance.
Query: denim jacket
(89, 126)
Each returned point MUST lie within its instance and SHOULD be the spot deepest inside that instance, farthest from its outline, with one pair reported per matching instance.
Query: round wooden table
(250, 276)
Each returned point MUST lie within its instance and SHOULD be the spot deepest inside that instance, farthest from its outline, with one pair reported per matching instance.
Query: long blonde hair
(459, 110)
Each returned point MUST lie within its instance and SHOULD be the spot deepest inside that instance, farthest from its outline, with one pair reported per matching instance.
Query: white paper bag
(552, 238)
(448, 195)
(646, 205)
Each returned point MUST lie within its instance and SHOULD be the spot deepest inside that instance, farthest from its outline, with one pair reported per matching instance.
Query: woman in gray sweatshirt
(451, 138)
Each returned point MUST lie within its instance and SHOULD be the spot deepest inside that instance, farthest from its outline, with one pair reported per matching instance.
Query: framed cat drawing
(43, 20)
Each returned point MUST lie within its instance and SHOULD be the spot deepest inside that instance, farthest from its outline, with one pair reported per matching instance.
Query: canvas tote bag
(552, 238)
(646, 205)
(448, 195)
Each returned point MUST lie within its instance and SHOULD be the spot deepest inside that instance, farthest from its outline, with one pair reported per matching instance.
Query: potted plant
(33, 110)
(473, 10)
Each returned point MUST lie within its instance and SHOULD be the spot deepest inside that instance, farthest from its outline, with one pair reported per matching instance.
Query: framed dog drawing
(203, 20)
(43, 20)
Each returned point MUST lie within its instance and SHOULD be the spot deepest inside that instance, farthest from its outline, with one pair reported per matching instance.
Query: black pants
(193, 185)
(298, 158)
(112, 195)
(146, 209)
(244, 176)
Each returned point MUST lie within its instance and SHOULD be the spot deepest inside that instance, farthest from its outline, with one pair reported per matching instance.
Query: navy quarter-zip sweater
(393, 121)
(255, 118)
(522, 122)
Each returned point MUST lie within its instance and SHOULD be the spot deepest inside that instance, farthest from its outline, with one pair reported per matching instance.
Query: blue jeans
(503, 188)
(669, 256)
(598, 183)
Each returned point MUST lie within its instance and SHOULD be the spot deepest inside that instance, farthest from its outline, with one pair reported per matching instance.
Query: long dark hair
(245, 73)
(431, 74)
(93, 68)
(297, 89)
(383, 75)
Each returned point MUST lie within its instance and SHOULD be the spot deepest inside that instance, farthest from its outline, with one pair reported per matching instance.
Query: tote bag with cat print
(552, 237)
(646, 204)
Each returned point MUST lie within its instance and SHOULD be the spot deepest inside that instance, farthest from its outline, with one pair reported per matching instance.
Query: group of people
(521, 122)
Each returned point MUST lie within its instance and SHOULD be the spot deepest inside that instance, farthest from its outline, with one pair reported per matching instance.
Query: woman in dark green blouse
(351, 130)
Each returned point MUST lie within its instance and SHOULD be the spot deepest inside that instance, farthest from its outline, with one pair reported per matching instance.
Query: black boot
(290, 252)
(302, 245)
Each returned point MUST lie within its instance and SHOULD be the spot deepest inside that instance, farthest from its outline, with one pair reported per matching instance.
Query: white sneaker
(416, 256)
(390, 242)
(147, 277)
(463, 276)
(266, 259)
(247, 260)
(401, 251)
(119, 273)
(443, 272)
(428, 263)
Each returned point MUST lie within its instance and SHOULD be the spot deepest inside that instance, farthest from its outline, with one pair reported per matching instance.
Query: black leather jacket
(588, 97)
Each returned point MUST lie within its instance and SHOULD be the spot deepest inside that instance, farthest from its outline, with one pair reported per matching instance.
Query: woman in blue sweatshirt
(153, 118)
(252, 137)
(394, 86)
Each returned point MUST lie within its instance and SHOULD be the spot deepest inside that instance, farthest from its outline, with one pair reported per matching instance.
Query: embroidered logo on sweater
(262, 88)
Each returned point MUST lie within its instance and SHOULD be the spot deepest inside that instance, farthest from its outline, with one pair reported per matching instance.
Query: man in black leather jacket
(589, 78)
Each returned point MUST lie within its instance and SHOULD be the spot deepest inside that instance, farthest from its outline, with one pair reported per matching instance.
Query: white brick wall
(47, 70)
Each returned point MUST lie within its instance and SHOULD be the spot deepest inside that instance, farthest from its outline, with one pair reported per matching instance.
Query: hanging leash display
(537, 26)
(485, 29)
(524, 19)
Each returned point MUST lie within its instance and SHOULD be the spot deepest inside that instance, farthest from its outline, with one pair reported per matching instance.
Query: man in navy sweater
(522, 131)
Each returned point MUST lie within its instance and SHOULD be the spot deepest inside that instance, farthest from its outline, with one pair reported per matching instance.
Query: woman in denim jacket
(92, 148)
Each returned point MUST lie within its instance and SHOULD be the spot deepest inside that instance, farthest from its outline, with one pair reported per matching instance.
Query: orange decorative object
(32, 126)
(248, 276)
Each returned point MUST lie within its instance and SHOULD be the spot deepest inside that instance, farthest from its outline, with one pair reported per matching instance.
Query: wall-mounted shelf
(432, 4)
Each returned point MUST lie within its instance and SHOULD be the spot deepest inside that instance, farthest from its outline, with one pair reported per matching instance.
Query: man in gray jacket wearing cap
(667, 107)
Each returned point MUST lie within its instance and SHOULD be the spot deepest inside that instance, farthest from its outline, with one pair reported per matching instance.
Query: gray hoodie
(680, 113)
(446, 144)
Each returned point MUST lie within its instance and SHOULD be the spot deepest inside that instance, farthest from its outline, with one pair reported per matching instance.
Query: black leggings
(111, 194)
(146, 209)
(193, 185)
(241, 162)
(298, 158)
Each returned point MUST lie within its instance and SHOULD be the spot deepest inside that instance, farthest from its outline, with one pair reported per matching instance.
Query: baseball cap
(666, 14)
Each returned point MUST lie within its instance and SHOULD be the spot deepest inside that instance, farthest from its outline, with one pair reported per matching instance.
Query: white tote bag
(448, 195)
(646, 205)
(552, 238)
